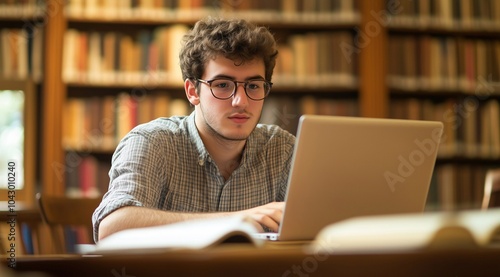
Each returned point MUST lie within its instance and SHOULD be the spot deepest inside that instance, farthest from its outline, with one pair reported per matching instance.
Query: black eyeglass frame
(245, 84)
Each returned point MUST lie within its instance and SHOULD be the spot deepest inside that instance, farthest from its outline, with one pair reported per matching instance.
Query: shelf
(91, 90)
(486, 30)
(417, 88)
(348, 17)
(334, 85)
(22, 12)
(492, 162)
(275, 21)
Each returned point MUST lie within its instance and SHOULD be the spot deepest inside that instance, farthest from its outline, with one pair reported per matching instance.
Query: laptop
(345, 167)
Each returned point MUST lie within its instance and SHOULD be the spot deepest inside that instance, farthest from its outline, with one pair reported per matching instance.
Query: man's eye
(253, 86)
(221, 84)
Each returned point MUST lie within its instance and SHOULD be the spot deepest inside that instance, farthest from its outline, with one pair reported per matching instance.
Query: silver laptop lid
(351, 166)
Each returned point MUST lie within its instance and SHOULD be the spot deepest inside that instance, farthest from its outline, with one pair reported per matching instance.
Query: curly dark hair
(235, 39)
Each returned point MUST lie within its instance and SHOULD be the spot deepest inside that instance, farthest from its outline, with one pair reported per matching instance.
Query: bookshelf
(21, 61)
(446, 67)
(400, 59)
(126, 70)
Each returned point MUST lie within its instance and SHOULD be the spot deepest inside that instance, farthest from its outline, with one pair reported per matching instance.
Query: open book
(434, 230)
(193, 234)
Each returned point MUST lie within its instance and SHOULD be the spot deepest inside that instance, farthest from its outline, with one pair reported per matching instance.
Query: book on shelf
(471, 124)
(446, 178)
(316, 60)
(22, 9)
(99, 123)
(412, 232)
(458, 186)
(444, 64)
(20, 53)
(143, 59)
(192, 234)
(86, 176)
(149, 58)
(285, 111)
(447, 14)
(490, 130)
(263, 10)
(126, 112)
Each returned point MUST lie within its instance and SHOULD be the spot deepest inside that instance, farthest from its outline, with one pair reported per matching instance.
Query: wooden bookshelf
(52, 161)
(142, 31)
(373, 55)
(383, 51)
(445, 66)
(21, 38)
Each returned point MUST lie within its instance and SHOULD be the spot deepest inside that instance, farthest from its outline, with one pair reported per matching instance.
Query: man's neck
(226, 154)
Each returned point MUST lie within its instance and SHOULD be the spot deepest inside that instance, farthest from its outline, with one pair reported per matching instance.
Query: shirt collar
(196, 139)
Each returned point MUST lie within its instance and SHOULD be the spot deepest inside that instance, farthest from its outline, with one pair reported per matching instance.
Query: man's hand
(268, 215)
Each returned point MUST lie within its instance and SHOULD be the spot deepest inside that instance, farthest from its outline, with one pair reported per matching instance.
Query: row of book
(443, 14)
(456, 187)
(471, 123)
(86, 176)
(21, 53)
(290, 10)
(285, 111)
(22, 9)
(427, 63)
(322, 59)
(114, 57)
(152, 57)
(453, 186)
(99, 123)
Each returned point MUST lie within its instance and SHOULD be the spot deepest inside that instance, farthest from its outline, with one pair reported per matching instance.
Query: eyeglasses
(225, 88)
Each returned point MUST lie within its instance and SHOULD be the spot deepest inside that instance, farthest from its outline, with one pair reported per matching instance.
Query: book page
(410, 232)
(193, 234)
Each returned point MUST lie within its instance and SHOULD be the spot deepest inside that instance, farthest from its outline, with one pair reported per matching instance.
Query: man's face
(236, 117)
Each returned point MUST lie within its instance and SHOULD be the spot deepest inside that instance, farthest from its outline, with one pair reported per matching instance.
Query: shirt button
(200, 162)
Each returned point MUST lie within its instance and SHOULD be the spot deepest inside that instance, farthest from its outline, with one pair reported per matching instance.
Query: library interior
(77, 75)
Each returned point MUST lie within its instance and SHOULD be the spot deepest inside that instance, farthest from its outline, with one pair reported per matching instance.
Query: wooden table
(287, 261)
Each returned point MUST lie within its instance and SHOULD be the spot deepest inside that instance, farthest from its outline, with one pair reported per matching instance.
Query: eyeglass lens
(255, 89)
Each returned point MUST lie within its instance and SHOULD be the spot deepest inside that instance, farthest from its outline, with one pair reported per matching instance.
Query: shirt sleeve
(135, 176)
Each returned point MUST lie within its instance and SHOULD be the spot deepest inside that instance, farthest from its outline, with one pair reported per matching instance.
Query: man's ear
(191, 94)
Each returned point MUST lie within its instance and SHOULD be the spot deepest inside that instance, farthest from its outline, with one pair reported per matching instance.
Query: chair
(59, 213)
(491, 196)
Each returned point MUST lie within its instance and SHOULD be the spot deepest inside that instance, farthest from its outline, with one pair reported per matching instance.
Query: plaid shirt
(163, 164)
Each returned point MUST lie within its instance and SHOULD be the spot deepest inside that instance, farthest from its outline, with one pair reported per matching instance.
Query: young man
(215, 162)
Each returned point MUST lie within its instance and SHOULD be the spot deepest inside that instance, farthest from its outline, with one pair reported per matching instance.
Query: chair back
(60, 212)
(491, 196)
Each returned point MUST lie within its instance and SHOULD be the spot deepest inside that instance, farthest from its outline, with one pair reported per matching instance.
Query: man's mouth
(239, 118)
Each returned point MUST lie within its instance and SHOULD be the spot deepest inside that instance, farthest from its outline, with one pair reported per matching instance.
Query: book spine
(448, 15)
(457, 187)
(290, 11)
(20, 53)
(472, 128)
(99, 123)
(114, 57)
